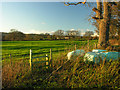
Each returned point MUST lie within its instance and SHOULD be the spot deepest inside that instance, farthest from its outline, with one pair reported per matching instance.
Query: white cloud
(82, 31)
(82, 34)
(88, 29)
(72, 29)
(33, 31)
(43, 23)
(51, 32)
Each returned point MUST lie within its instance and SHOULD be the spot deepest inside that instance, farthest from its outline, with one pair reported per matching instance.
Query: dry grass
(78, 74)
(11, 72)
(17, 74)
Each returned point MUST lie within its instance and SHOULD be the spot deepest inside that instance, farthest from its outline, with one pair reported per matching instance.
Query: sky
(45, 17)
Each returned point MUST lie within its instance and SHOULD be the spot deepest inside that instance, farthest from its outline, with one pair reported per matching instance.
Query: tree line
(15, 35)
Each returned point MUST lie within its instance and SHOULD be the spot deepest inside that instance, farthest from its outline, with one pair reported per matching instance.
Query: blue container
(109, 55)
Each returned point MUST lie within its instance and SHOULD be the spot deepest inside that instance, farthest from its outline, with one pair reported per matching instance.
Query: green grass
(20, 49)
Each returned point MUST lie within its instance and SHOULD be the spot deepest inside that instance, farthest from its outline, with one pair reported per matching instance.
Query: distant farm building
(67, 38)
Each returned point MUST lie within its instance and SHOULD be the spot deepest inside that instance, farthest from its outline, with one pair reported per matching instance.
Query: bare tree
(103, 17)
(72, 33)
(88, 33)
(15, 35)
(59, 33)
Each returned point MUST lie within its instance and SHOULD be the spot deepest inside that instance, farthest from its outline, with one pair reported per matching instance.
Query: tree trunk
(103, 34)
(104, 25)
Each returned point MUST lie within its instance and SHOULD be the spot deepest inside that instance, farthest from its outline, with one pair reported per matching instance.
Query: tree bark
(99, 8)
(104, 25)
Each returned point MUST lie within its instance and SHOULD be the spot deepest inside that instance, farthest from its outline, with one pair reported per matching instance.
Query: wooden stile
(47, 61)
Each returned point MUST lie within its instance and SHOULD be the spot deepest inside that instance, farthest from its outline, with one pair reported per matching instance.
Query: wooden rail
(48, 60)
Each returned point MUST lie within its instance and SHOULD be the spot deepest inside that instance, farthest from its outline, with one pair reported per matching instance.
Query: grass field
(74, 74)
(20, 49)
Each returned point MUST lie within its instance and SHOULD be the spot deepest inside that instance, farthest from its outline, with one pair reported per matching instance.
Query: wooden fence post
(10, 60)
(75, 46)
(88, 45)
(47, 62)
(30, 61)
(95, 46)
(50, 62)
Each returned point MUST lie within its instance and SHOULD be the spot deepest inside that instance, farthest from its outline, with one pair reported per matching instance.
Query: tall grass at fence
(74, 74)
(13, 71)
(17, 74)
(78, 74)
